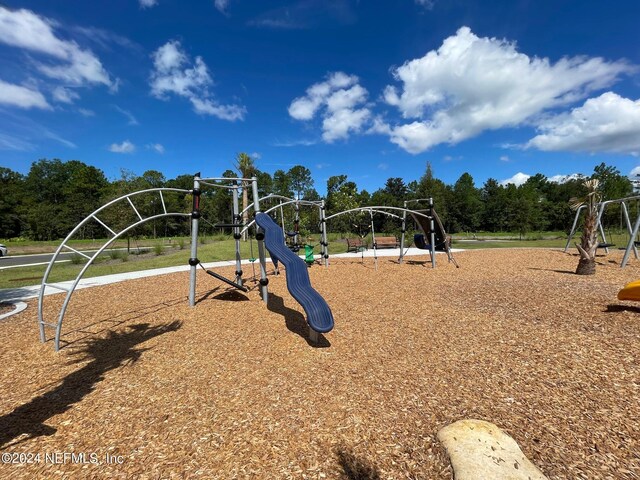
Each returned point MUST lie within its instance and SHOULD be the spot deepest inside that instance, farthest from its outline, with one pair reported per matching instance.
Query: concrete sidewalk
(25, 293)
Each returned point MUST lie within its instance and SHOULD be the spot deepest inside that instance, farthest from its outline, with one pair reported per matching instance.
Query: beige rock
(479, 450)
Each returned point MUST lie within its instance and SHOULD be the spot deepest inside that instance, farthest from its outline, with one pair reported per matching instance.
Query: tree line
(54, 196)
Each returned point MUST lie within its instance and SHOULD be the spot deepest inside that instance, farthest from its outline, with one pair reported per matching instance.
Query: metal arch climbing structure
(125, 200)
(284, 201)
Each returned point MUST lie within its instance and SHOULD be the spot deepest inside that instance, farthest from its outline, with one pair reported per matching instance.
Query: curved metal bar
(227, 179)
(90, 261)
(272, 196)
(281, 204)
(377, 207)
(217, 185)
(92, 216)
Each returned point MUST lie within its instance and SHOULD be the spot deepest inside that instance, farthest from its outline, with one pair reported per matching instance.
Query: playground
(234, 388)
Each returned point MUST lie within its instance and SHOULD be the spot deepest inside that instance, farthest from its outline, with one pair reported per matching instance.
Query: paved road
(26, 260)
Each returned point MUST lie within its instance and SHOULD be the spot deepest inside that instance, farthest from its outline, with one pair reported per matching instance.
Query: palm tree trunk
(586, 266)
(588, 246)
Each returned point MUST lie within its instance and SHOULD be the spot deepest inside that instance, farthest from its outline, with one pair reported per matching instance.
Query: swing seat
(291, 234)
(606, 245)
(418, 240)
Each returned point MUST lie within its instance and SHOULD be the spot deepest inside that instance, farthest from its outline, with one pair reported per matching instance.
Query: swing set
(604, 242)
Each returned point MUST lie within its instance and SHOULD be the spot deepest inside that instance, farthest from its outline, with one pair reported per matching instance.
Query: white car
(3, 250)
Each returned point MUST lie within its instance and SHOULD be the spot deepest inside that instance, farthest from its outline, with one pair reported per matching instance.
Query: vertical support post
(599, 225)
(402, 232)
(284, 228)
(629, 228)
(631, 243)
(573, 227)
(193, 260)
(264, 281)
(236, 220)
(296, 224)
(323, 229)
(432, 240)
(373, 239)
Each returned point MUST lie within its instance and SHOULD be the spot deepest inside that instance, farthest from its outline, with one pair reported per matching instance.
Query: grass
(224, 249)
(212, 251)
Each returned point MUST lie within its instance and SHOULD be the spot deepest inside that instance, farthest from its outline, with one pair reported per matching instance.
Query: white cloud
(132, 120)
(341, 100)
(383, 166)
(608, 123)
(255, 155)
(221, 5)
(148, 3)
(518, 179)
(564, 178)
(293, 143)
(124, 147)
(320, 166)
(65, 95)
(504, 158)
(86, 112)
(472, 84)
(23, 97)
(70, 63)
(172, 74)
(427, 4)
(159, 148)
(8, 142)
(635, 172)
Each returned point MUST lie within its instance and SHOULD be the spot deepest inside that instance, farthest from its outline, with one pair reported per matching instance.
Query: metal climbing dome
(121, 212)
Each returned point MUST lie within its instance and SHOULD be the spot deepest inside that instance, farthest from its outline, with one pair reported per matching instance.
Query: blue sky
(372, 89)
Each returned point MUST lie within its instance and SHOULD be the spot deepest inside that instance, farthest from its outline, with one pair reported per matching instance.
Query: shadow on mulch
(570, 272)
(613, 308)
(99, 326)
(295, 321)
(103, 354)
(355, 468)
(231, 296)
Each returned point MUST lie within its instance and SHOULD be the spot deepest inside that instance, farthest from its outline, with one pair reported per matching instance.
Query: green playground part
(308, 254)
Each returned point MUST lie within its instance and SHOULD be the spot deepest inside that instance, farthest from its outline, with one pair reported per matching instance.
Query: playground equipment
(126, 203)
(431, 227)
(382, 210)
(604, 243)
(123, 202)
(284, 201)
(631, 291)
(319, 316)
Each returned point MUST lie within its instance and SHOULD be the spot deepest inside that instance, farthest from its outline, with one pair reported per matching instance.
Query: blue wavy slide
(319, 316)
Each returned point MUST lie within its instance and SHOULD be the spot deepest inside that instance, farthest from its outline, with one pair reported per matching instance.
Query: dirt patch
(232, 388)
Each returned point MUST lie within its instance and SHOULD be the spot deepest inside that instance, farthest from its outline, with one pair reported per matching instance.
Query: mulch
(233, 388)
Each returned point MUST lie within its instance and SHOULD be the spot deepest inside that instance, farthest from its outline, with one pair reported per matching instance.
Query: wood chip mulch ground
(233, 389)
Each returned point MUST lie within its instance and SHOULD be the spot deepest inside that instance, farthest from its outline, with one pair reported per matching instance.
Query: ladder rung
(56, 286)
(78, 252)
(52, 325)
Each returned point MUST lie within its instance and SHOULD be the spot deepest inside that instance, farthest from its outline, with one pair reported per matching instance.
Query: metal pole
(373, 238)
(599, 224)
(573, 227)
(631, 243)
(433, 234)
(629, 228)
(296, 224)
(404, 229)
(323, 229)
(193, 261)
(260, 238)
(236, 219)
